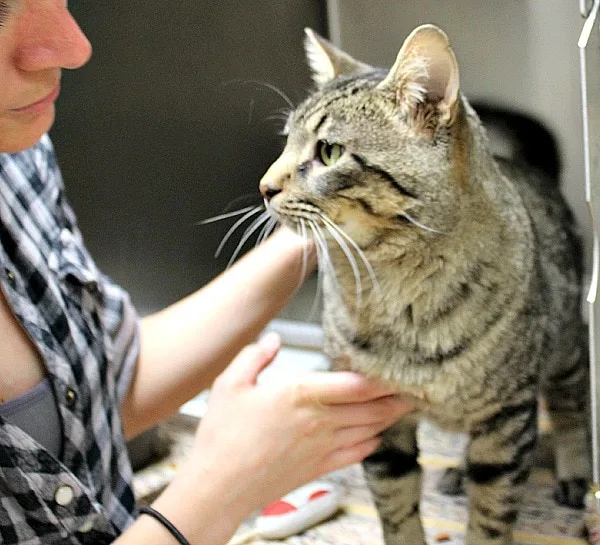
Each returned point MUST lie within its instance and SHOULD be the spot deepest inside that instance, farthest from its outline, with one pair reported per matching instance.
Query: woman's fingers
(332, 388)
(348, 437)
(384, 410)
(246, 366)
(350, 455)
(339, 427)
(381, 413)
(359, 423)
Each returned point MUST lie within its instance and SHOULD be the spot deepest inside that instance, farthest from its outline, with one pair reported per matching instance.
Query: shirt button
(10, 276)
(64, 495)
(70, 397)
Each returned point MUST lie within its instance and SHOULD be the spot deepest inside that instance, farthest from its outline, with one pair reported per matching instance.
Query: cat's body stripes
(473, 306)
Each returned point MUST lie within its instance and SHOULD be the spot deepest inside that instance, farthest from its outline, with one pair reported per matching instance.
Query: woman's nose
(50, 38)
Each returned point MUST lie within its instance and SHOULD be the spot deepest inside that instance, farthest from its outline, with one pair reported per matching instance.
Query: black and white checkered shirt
(87, 332)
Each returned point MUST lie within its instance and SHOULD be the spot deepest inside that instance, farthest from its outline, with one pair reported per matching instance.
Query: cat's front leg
(499, 460)
(394, 477)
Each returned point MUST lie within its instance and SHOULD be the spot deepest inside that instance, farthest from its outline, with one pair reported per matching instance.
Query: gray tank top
(36, 413)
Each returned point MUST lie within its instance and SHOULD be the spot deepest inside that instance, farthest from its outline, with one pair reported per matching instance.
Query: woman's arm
(259, 441)
(185, 346)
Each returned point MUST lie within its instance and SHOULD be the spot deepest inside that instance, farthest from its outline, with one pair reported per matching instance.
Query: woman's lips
(40, 105)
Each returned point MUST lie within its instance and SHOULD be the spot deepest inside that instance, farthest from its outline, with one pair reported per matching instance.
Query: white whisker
(275, 89)
(325, 259)
(225, 216)
(304, 235)
(265, 84)
(352, 262)
(420, 225)
(248, 233)
(361, 254)
(254, 210)
(319, 291)
(266, 230)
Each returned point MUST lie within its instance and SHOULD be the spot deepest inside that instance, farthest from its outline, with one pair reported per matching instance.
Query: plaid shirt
(86, 330)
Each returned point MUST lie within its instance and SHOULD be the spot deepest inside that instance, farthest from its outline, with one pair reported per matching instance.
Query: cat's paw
(452, 482)
(571, 493)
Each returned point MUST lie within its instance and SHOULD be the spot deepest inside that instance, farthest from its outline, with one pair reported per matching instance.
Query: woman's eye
(328, 153)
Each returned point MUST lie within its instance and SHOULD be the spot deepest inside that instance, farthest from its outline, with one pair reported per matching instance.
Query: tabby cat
(449, 274)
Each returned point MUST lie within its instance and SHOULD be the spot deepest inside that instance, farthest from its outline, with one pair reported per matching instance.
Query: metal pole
(589, 50)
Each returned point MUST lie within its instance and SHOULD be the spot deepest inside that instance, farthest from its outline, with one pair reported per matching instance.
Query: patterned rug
(540, 522)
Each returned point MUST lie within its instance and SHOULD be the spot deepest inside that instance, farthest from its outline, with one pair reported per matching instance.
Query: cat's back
(528, 155)
(558, 262)
(557, 241)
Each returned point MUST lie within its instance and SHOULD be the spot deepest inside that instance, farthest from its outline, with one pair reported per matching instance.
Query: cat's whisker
(282, 115)
(226, 215)
(278, 91)
(361, 254)
(319, 291)
(278, 116)
(302, 232)
(280, 120)
(266, 230)
(351, 261)
(252, 212)
(322, 254)
(264, 84)
(273, 88)
(252, 228)
(325, 258)
(421, 226)
(250, 111)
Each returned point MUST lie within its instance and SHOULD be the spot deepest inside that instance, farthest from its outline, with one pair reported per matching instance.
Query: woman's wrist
(205, 505)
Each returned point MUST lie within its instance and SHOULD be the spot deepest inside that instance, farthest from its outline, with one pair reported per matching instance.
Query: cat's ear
(327, 61)
(425, 78)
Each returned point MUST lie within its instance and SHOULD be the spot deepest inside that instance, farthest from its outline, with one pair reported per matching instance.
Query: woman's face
(38, 38)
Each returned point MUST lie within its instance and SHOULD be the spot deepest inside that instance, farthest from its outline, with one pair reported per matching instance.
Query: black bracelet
(146, 509)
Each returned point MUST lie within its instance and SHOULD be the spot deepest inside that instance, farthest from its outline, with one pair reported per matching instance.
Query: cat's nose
(277, 177)
(268, 191)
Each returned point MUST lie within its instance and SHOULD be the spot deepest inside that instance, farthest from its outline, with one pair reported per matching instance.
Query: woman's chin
(22, 132)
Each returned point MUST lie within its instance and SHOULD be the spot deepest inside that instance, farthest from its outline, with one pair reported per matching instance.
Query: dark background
(167, 126)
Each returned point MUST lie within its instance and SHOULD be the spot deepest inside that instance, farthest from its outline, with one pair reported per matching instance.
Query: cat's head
(375, 152)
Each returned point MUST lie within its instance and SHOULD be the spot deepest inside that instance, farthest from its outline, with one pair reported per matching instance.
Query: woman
(79, 373)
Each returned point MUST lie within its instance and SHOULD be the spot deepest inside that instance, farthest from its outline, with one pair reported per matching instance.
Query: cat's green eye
(328, 153)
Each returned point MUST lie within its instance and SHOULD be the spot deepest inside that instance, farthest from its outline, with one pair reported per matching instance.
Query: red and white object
(298, 510)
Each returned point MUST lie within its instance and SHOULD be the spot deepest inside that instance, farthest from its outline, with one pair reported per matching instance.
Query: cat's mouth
(294, 212)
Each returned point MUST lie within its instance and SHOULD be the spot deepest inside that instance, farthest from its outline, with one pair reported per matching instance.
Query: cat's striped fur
(452, 276)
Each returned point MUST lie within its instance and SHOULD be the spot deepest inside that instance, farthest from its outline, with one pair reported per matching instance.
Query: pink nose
(268, 192)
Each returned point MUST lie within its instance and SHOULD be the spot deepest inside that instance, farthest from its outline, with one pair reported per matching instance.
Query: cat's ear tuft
(327, 61)
(425, 78)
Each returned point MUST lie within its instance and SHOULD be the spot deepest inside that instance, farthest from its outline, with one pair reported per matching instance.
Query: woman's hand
(258, 441)
(278, 436)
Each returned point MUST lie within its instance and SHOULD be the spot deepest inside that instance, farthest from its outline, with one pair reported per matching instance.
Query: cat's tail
(520, 138)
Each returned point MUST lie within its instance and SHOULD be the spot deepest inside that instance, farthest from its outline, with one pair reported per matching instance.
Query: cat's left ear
(327, 61)
(425, 78)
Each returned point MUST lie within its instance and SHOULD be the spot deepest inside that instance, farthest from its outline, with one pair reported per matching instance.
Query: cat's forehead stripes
(320, 123)
(337, 91)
